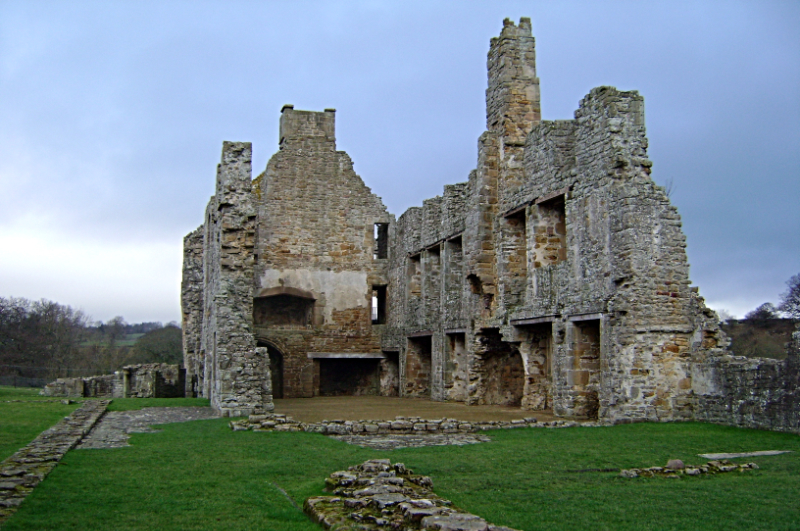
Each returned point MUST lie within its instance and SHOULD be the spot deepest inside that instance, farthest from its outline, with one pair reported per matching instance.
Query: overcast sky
(112, 117)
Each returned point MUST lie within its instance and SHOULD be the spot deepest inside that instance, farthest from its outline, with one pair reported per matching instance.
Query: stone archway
(275, 366)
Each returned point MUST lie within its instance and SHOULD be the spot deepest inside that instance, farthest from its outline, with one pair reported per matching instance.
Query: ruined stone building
(555, 277)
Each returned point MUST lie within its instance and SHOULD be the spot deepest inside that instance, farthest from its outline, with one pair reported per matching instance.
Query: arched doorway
(275, 368)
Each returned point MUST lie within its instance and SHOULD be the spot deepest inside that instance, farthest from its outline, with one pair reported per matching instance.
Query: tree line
(43, 340)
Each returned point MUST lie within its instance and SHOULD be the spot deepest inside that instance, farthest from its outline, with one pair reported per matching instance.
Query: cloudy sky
(113, 113)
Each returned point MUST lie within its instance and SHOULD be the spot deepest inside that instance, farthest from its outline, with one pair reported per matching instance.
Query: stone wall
(749, 392)
(149, 380)
(192, 309)
(554, 277)
(235, 376)
(559, 233)
(317, 260)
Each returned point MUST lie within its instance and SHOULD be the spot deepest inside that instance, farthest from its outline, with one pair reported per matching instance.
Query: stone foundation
(380, 495)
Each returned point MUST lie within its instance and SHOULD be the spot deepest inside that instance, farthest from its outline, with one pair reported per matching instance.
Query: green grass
(8, 392)
(21, 422)
(201, 475)
(128, 404)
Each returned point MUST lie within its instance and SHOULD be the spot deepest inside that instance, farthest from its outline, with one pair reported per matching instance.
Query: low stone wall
(750, 392)
(380, 495)
(400, 425)
(676, 468)
(64, 387)
(148, 380)
(21, 472)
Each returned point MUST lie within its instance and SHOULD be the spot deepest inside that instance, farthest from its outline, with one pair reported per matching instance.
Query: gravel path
(114, 428)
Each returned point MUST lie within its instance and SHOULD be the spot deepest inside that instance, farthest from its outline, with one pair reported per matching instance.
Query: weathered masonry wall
(149, 380)
(318, 262)
(236, 375)
(192, 286)
(554, 278)
(749, 392)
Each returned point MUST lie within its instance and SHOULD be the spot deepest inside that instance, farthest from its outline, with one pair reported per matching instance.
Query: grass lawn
(201, 475)
(21, 422)
(128, 404)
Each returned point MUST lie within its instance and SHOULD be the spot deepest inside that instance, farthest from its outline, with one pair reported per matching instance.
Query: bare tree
(790, 299)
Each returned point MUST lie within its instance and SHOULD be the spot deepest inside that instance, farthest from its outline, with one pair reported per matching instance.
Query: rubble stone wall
(148, 380)
(749, 392)
(235, 376)
(317, 253)
(554, 277)
(192, 308)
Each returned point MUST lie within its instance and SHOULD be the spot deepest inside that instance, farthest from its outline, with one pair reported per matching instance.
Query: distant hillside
(759, 338)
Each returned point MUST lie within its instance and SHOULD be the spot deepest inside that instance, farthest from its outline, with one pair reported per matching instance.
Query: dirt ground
(386, 408)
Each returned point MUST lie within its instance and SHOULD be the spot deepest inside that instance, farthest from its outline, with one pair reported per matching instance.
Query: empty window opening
(432, 279)
(456, 375)
(453, 275)
(349, 377)
(390, 374)
(418, 367)
(381, 241)
(585, 374)
(415, 276)
(378, 304)
(515, 257)
(550, 232)
(282, 310)
(538, 384)
(499, 371)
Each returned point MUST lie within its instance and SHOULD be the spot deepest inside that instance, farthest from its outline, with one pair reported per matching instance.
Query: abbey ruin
(554, 278)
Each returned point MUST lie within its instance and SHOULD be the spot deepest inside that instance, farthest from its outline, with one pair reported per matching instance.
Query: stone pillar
(126, 382)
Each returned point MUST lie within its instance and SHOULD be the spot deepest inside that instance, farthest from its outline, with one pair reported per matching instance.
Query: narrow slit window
(381, 241)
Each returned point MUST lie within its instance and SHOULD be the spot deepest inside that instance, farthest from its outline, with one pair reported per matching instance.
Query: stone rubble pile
(400, 425)
(21, 472)
(378, 495)
(676, 468)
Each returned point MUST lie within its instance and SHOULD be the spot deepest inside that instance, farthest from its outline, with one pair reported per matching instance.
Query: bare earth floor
(387, 408)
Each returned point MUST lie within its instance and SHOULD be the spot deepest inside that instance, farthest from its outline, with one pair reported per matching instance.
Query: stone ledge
(23, 471)
(399, 425)
(380, 495)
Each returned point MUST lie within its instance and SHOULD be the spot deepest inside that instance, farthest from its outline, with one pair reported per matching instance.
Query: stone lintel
(551, 195)
(346, 355)
(517, 209)
(455, 330)
(534, 320)
(420, 333)
(585, 317)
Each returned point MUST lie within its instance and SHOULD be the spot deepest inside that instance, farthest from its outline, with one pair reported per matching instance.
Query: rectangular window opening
(415, 276)
(378, 304)
(381, 235)
(550, 232)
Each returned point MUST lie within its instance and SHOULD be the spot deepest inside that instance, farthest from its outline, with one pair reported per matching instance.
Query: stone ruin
(380, 495)
(148, 380)
(554, 278)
